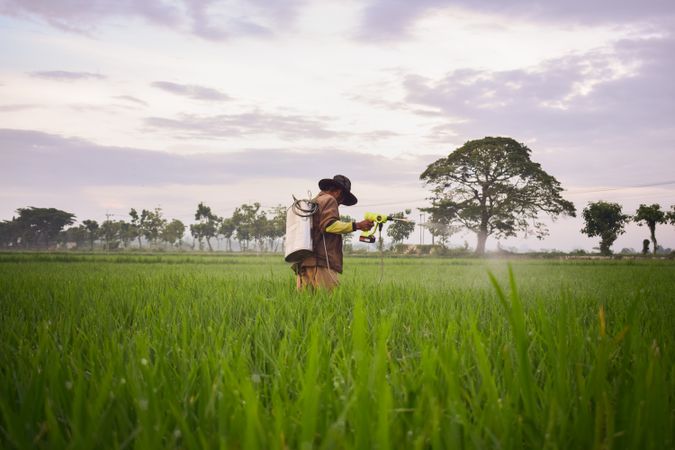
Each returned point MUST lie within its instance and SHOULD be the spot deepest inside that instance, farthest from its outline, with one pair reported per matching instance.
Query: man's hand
(364, 225)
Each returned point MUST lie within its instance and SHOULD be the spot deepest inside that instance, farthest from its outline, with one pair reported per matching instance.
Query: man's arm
(340, 227)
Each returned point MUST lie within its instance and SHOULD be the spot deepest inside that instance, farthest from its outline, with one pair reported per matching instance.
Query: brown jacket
(326, 215)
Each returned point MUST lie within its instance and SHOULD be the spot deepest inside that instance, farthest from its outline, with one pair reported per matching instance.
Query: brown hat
(340, 182)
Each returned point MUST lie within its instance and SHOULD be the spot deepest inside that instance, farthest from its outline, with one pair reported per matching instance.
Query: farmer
(322, 268)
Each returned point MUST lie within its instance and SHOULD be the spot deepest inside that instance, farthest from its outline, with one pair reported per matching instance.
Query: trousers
(317, 278)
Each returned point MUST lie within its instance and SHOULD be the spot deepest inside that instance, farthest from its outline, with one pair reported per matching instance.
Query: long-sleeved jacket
(326, 243)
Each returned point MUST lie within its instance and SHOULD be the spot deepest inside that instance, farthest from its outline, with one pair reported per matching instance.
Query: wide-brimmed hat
(341, 182)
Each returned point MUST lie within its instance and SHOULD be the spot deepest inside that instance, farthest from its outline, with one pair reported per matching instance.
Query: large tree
(39, 227)
(651, 216)
(492, 187)
(605, 220)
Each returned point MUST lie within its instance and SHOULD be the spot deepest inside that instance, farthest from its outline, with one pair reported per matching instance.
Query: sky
(108, 105)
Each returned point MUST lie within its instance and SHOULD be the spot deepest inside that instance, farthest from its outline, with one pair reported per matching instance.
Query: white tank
(298, 242)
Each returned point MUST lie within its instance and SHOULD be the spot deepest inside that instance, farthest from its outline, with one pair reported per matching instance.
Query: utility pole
(424, 224)
(422, 228)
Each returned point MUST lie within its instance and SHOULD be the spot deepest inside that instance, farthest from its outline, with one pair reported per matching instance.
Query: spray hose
(304, 207)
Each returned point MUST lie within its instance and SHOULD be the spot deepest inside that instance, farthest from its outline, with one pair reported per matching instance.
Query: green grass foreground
(205, 352)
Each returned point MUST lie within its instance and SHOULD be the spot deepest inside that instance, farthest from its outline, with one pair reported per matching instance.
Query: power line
(619, 188)
(660, 183)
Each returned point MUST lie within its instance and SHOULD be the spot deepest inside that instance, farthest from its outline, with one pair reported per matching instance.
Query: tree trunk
(483, 227)
(480, 246)
(139, 242)
(208, 242)
(652, 231)
(606, 242)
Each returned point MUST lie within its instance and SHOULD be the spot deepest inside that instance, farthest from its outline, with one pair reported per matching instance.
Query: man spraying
(321, 269)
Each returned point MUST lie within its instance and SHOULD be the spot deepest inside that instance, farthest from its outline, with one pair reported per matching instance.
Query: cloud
(131, 99)
(17, 107)
(35, 159)
(290, 127)
(63, 75)
(216, 21)
(378, 135)
(84, 17)
(192, 91)
(207, 25)
(592, 111)
(286, 126)
(207, 19)
(391, 19)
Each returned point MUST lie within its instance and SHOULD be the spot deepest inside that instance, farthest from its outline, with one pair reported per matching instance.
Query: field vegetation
(190, 351)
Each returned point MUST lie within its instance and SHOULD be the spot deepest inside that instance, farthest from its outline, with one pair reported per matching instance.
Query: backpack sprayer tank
(298, 242)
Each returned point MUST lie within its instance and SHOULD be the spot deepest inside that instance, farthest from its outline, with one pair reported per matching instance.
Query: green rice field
(216, 351)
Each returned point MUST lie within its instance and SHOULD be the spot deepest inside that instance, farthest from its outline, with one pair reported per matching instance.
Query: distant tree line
(489, 186)
(252, 227)
(249, 228)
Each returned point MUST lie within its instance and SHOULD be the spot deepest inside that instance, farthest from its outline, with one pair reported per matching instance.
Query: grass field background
(176, 351)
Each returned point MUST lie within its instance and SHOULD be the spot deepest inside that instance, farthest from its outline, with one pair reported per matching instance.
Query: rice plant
(172, 351)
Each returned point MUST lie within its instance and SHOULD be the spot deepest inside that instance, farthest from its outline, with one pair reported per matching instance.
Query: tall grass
(109, 353)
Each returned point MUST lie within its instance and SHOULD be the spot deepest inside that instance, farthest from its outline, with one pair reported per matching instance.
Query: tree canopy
(651, 215)
(492, 187)
(36, 227)
(92, 228)
(671, 215)
(207, 225)
(605, 220)
(399, 231)
(173, 232)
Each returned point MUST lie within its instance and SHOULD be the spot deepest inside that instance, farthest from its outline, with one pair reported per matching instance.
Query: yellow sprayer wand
(379, 220)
